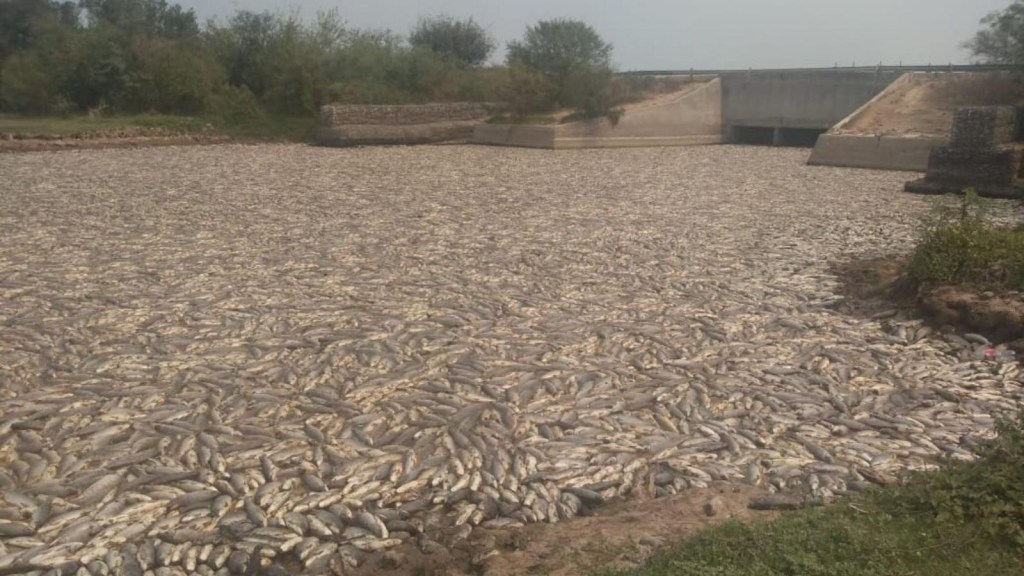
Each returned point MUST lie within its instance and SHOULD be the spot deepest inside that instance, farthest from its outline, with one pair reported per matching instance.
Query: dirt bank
(878, 288)
(616, 536)
(923, 104)
(96, 139)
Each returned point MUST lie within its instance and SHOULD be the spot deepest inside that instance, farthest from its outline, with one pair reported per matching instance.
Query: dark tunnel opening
(771, 136)
(752, 135)
(798, 137)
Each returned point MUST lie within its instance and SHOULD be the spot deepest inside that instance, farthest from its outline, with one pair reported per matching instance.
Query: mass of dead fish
(214, 359)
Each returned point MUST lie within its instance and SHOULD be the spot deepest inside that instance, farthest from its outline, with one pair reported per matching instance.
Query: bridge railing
(876, 68)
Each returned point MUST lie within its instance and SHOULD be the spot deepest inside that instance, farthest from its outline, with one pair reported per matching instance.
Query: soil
(618, 535)
(925, 105)
(878, 288)
(123, 138)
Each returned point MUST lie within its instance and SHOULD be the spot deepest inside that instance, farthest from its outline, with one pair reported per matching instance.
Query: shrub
(590, 92)
(529, 90)
(462, 41)
(26, 87)
(235, 105)
(574, 61)
(171, 77)
(961, 246)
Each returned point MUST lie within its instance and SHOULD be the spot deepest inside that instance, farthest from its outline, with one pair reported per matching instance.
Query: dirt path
(620, 535)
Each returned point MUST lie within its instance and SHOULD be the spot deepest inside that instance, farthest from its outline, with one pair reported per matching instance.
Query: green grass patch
(262, 127)
(270, 128)
(967, 518)
(67, 125)
(961, 246)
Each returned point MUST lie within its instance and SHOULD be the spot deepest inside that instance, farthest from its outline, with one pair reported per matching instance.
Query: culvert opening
(798, 137)
(753, 135)
(771, 136)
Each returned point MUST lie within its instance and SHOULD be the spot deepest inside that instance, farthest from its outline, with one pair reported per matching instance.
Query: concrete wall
(692, 118)
(876, 152)
(841, 147)
(800, 99)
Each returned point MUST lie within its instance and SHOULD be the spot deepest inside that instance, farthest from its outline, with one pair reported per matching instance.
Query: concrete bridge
(793, 108)
(790, 107)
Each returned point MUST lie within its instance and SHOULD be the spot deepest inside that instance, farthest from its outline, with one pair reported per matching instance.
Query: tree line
(142, 56)
(1001, 40)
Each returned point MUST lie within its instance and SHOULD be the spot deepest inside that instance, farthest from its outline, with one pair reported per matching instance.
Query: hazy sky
(680, 34)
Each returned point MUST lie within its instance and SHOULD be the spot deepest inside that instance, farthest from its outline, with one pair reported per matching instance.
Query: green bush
(26, 87)
(590, 92)
(235, 106)
(462, 41)
(171, 77)
(150, 56)
(575, 63)
(961, 246)
(529, 91)
(100, 74)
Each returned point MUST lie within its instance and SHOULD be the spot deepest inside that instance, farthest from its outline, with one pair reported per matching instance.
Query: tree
(462, 41)
(243, 48)
(170, 76)
(143, 17)
(37, 52)
(20, 18)
(1002, 41)
(573, 58)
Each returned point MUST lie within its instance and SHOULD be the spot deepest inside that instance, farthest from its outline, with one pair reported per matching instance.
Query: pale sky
(680, 34)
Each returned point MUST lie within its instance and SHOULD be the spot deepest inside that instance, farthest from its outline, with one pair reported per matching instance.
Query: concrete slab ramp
(876, 152)
(687, 118)
(897, 129)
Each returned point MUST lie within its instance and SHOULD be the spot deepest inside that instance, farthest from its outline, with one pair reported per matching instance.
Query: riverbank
(52, 133)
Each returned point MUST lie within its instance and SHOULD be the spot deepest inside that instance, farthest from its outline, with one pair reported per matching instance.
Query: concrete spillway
(788, 108)
(871, 118)
(793, 107)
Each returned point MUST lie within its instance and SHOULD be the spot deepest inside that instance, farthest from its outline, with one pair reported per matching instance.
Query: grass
(967, 518)
(65, 125)
(961, 246)
(273, 128)
(276, 128)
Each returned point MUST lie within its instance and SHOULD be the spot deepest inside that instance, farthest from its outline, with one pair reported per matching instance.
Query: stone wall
(981, 155)
(965, 167)
(363, 125)
(983, 127)
(404, 115)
